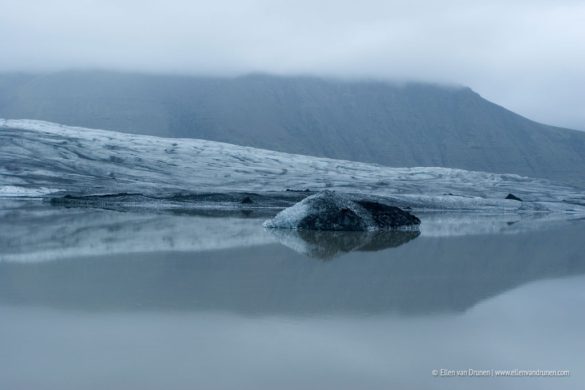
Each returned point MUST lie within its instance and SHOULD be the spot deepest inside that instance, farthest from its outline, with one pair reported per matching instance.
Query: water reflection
(327, 245)
(428, 275)
(33, 231)
(149, 301)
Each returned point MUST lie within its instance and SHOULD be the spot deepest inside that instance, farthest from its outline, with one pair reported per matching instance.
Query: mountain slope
(394, 125)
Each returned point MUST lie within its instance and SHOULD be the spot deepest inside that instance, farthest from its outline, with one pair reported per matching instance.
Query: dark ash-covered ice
(511, 196)
(329, 210)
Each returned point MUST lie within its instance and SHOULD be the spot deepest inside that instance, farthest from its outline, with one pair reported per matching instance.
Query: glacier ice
(36, 157)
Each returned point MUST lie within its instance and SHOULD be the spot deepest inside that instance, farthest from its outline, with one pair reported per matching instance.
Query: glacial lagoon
(96, 299)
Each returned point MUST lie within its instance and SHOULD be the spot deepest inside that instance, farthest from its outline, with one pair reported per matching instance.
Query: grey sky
(528, 55)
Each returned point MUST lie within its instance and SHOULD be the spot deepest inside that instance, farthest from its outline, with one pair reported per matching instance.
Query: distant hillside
(394, 125)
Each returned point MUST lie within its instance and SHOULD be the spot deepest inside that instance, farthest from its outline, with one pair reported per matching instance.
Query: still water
(94, 299)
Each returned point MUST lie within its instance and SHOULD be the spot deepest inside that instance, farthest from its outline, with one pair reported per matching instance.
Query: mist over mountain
(370, 121)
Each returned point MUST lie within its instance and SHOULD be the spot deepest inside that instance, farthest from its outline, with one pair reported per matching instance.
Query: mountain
(399, 125)
(39, 158)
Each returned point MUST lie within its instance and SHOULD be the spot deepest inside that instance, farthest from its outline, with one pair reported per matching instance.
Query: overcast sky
(527, 55)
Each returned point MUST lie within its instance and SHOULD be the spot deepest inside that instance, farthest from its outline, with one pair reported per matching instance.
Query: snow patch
(16, 191)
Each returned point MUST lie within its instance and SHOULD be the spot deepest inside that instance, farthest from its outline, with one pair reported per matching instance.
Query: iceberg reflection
(329, 244)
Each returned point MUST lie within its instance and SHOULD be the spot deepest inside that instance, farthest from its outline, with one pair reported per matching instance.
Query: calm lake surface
(95, 299)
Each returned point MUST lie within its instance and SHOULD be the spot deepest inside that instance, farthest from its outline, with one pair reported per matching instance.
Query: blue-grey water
(96, 299)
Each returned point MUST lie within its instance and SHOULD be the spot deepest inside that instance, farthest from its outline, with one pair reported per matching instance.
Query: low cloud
(526, 55)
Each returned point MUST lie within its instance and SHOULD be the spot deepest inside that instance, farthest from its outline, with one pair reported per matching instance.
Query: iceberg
(329, 210)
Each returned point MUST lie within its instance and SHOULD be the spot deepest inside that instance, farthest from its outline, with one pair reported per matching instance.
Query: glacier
(41, 159)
